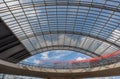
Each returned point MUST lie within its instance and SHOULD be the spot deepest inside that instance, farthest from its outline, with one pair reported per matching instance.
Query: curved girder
(52, 47)
(69, 32)
(10, 68)
(66, 47)
(98, 4)
(24, 24)
(103, 60)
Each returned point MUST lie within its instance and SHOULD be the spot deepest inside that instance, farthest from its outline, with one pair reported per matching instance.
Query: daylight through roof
(32, 27)
(87, 26)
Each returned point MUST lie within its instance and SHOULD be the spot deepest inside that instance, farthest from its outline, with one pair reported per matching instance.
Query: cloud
(45, 55)
(26, 60)
(61, 54)
(54, 55)
(37, 61)
(80, 58)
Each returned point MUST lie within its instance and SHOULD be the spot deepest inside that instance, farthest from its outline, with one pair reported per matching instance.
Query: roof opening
(54, 56)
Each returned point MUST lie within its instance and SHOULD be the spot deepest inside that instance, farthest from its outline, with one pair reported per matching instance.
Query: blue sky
(59, 55)
(63, 55)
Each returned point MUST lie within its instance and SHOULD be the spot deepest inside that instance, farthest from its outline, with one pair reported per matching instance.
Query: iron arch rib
(66, 47)
(69, 32)
(78, 3)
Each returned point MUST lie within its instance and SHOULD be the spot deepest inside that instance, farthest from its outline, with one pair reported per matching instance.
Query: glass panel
(73, 24)
(111, 50)
(87, 43)
(102, 48)
(35, 42)
(28, 45)
(42, 40)
(95, 45)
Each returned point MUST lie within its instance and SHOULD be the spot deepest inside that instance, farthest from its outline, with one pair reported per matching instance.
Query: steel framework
(43, 25)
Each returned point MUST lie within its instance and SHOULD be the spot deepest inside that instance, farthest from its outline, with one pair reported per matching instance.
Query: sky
(56, 55)
(61, 55)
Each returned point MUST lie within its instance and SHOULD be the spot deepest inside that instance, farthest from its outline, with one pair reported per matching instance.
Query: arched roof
(91, 27)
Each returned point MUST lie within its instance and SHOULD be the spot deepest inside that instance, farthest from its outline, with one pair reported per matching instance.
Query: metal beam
(69, 32)
(10, 68)
(80, 3)
(74, 48)
(71, 3)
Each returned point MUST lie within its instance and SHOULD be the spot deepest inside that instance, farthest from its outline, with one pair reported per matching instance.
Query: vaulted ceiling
(91, 27)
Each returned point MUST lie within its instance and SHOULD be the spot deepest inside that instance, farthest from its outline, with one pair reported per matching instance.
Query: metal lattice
(91, 27)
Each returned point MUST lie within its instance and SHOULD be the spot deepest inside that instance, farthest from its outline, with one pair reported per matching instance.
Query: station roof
(91, 27)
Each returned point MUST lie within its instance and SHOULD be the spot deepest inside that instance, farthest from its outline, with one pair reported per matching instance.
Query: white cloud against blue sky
(60, 55)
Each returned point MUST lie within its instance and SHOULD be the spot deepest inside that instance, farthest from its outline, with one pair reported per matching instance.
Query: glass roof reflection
(92, 26)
